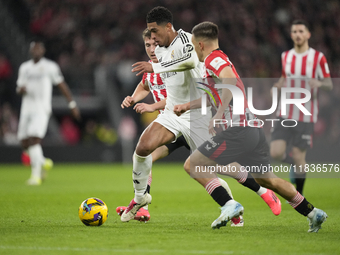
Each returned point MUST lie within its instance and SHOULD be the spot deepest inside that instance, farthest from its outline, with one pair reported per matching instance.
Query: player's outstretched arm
(142, 67)
(325, 84)
(228, 77)
(143, 107)
(21, 88)
(188, 60)
(182, 108)
(279, 84)
(140, 93)
(71, 103)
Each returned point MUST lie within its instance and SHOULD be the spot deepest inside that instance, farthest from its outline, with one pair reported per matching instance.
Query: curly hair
(160, 15)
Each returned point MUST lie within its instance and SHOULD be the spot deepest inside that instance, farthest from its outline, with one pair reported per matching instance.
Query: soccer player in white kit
(35, 79)
(178, 66)
(302, 67)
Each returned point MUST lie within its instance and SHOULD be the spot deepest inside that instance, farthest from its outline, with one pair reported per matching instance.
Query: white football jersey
(174, 66)
(38, 79)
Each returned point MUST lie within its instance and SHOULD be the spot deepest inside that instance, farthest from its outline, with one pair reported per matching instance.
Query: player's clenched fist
(181, 108)
(127, 102)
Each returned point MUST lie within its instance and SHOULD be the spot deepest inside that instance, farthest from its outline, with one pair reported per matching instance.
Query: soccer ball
(93, 212)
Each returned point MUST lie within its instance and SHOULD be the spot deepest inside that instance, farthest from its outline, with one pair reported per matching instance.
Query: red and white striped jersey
(298, 69)
(213, 65)
(156, 86)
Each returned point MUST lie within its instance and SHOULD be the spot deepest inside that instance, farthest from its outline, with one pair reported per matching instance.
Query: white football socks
(36, 155)
(140, 175)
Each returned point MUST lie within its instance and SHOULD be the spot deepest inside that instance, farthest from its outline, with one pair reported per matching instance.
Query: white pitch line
(109, 250)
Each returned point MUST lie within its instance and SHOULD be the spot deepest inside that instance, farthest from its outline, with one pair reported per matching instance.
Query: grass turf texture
(44, 219)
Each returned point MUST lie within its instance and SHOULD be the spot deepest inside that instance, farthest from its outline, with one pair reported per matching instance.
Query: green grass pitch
(44, 219)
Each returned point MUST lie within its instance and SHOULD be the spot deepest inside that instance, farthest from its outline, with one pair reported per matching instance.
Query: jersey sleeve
(56, 75)
(216, 64)
(22, 79)
(323, 70)
(187, 60)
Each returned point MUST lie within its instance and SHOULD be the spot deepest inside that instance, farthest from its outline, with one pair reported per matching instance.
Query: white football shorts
(33, 125)
(194, 130)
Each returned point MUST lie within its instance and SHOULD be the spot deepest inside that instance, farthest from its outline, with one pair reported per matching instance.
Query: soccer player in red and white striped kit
(244, 144)
(302, 67)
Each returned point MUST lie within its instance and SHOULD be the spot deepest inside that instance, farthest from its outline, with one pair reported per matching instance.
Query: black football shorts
(244, 145)
(300, 136)
(179, 143)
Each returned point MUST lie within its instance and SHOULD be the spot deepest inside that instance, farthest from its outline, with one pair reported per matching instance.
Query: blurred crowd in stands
(82, 35)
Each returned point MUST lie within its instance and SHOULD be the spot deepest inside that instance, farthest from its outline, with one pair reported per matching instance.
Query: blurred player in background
(34, 84)
(240, 142)
(302, 67)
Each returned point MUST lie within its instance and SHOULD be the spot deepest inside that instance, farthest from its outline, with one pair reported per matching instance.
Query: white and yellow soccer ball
(93, 212)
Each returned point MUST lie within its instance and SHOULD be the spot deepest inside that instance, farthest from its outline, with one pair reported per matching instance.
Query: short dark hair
(301, 22)
(206, 30)
(146, 34)
(160, 15)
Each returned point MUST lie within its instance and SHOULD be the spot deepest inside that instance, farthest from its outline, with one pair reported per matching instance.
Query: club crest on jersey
(172, 54)
(188, 48)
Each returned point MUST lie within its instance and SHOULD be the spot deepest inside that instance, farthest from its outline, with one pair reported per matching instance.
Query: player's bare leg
(154, 136)
(159, 153)
(278, 149)
(299, 157)
(234, 170)
(271, 181)
(278, 152)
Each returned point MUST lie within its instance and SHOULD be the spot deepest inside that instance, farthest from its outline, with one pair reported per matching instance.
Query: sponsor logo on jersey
(158, 86)
(213, 143)
(217, 63)
(167, 75)
(188, 48)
